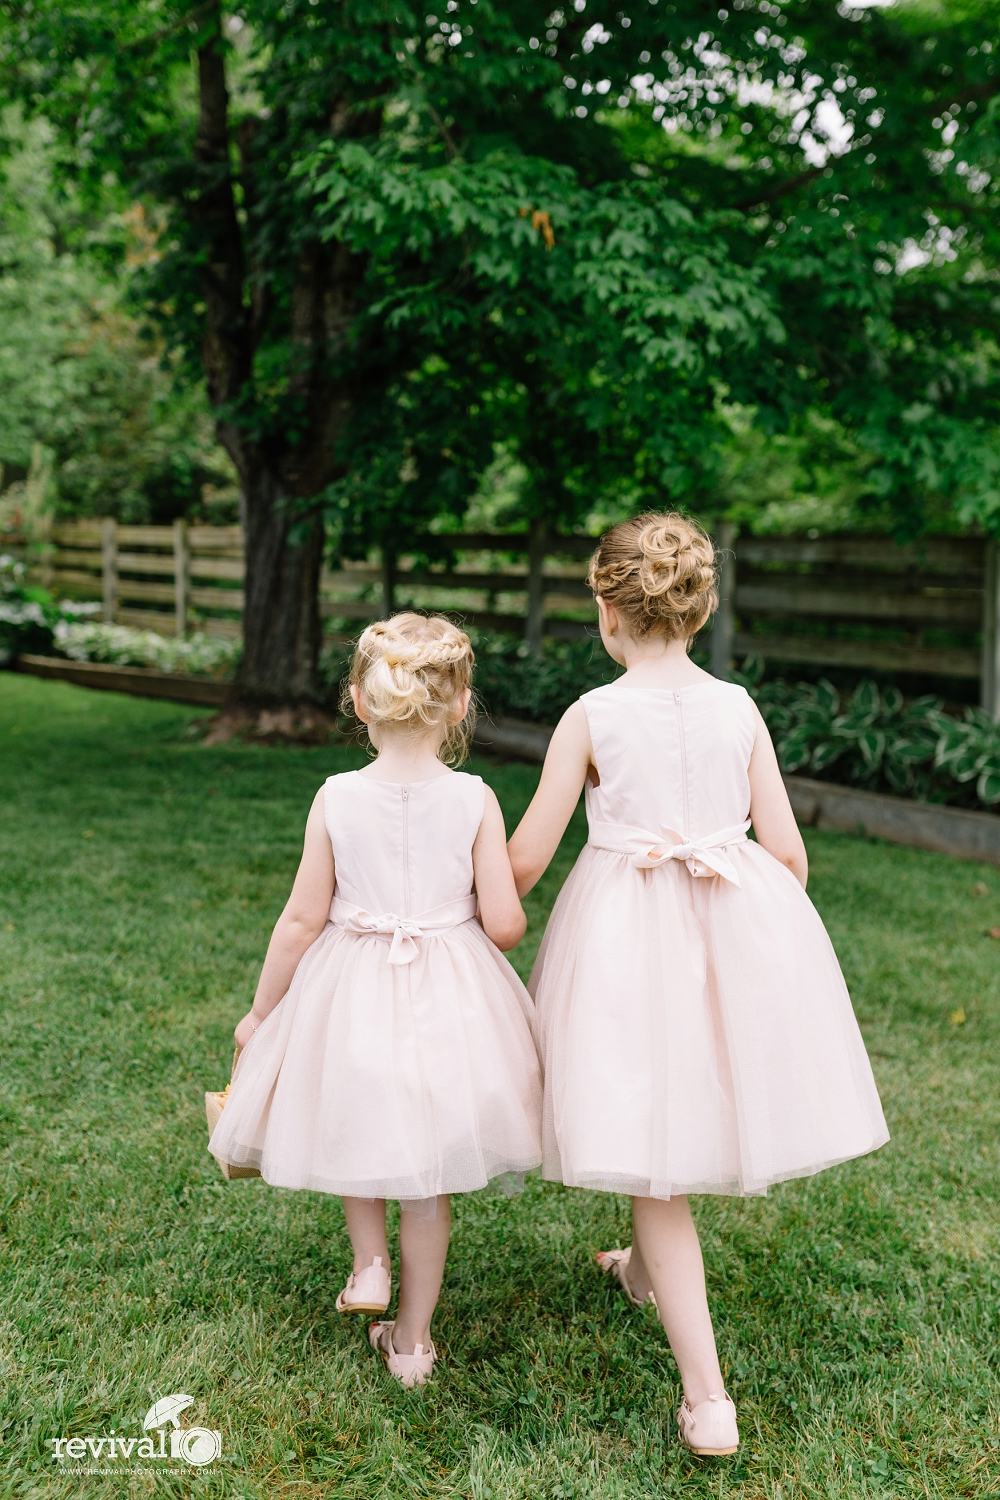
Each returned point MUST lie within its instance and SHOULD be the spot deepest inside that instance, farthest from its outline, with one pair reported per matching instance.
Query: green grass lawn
(856, 1312)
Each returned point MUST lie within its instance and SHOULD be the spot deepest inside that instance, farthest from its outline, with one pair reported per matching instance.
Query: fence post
(721, 639)
(109, 568)
(534, 629)
(45, 549)
(989, 677)
(182, 573)
(388, 582)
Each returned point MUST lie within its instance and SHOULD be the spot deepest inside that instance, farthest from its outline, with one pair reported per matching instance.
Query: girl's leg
(423, 1247)
(666, 1256)
(366, 1226)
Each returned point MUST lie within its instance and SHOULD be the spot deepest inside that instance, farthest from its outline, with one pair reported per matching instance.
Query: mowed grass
(856, 1312)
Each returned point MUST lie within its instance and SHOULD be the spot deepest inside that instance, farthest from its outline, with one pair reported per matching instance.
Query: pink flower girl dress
(400, 1064)
(696, 1031)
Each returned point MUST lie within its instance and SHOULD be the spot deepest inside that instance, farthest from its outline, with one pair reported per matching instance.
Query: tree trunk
(282, 629)
(283, 532)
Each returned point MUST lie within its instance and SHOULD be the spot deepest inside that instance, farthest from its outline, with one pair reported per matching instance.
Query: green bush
(201, 655)
(29, 615)
(879, 740)
(512, 683)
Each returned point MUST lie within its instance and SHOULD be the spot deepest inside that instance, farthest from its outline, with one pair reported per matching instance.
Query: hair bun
(411, 669)
(659, 572)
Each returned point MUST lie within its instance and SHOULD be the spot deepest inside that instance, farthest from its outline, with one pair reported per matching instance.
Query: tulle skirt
(382, 1081)
(696, 1036)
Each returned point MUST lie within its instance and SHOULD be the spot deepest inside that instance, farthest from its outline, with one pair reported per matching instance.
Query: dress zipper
(686, 830)
(406, 851)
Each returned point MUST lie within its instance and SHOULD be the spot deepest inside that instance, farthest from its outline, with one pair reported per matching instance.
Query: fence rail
(862, 601)
(175, 578)
(858, 601)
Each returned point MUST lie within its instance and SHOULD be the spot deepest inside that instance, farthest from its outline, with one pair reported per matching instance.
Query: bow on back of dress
(406, 931)
(702, 856)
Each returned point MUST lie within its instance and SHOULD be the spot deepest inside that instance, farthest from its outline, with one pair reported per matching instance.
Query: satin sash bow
(406, 931)
(703, 856)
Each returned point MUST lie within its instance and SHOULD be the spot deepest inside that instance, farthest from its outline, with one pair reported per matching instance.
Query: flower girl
(388, 1052)
(696, 1032)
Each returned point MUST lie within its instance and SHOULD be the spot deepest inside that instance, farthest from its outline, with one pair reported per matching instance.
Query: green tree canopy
(395, 238)
(89, 407)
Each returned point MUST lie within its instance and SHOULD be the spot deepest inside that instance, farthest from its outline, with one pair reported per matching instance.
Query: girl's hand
(245, 1029)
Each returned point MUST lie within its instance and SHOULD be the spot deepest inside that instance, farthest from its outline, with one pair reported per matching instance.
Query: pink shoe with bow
(367, 1291)
(409, 1369)
(709, 1429)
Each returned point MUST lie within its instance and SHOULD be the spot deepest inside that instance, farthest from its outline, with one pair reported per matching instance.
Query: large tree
(846, 162)
(394, 236)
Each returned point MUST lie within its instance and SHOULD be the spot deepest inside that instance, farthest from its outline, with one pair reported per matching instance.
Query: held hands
(245, 1029)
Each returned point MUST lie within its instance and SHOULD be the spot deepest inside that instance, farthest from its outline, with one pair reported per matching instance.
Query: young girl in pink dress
(388, 1052)
(696, 1032)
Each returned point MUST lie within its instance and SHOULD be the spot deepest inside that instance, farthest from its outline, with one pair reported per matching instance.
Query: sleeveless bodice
(404, 848)
(671, 758)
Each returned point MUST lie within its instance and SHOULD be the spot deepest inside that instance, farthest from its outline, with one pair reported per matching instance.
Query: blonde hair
(659, 572)
(411, 669)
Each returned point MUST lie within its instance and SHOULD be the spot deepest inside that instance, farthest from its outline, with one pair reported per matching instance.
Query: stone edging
(900, 820)
(816, 804)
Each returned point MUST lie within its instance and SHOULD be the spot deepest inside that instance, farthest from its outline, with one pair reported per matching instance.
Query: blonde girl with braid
(696, 1032)
(388, 1052)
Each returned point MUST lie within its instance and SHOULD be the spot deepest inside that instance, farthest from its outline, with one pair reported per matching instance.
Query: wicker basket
(214, 1105)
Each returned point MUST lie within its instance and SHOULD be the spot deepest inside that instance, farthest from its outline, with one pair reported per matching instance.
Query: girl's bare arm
(537, 836)
(770, 810)
(499, 909)
(300, 924)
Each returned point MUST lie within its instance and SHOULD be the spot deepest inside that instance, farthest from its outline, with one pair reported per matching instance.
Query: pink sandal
(709, 1429)
(615, 1263)
(367, 1291)
(409, 1369)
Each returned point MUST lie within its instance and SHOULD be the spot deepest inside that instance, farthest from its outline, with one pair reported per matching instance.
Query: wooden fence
(863, 602)
(179, 578)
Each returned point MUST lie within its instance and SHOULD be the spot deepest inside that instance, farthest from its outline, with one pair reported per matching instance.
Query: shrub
(29, 615)
(879, 740)
(511, 682)
(201, 655)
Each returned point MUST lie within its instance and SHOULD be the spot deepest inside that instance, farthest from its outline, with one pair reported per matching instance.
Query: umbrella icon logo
(196, 1445)
(168, 1409)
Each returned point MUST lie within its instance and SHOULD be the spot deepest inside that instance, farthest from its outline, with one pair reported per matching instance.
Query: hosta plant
(969, 750)
(880, 740)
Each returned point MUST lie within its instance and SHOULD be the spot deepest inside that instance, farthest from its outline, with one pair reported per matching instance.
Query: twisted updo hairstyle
(659, 573)
(411, 669)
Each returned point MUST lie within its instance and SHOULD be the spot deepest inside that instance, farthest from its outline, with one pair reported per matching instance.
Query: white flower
(119, 646)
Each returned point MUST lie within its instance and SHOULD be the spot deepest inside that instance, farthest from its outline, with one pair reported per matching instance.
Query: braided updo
(659, 573)
(412, 669)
